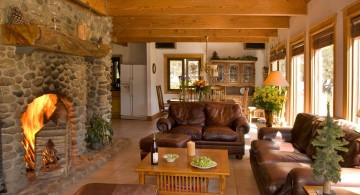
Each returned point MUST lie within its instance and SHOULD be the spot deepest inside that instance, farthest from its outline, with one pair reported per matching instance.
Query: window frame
(295, 41)
(349, 12)
(322, 26)
(167, 58)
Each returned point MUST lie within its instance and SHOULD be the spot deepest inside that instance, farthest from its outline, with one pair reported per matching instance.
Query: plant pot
(97, 145)
(269, 116)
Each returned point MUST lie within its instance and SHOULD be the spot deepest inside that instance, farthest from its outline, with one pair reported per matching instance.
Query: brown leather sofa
(285, 167)
(211, 125)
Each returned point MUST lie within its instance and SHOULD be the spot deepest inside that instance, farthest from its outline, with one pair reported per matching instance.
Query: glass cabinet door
(221, 77)
(233, 73)
(248, 70)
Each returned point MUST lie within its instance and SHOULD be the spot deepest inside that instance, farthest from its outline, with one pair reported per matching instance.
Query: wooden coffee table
(180, 177)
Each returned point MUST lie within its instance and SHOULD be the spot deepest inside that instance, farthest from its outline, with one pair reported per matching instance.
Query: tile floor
(120, 168)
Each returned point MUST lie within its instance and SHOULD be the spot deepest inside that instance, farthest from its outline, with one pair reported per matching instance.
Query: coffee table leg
(141, 178)
(222, 184)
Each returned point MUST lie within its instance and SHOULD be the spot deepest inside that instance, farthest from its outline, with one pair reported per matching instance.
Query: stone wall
(23, 77)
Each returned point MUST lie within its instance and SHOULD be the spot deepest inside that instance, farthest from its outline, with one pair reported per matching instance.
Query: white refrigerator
(133, 91)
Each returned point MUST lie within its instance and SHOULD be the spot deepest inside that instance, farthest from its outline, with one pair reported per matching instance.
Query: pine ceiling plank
(201, 22)
(118, 32)
(204, 7)
(189, 39)
(98, 6)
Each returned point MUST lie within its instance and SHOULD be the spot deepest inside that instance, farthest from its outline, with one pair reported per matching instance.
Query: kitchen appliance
(133, 91)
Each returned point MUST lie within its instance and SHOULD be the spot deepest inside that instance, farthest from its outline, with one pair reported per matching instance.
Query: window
(278, 60)
(352, 21)
(297, 76)
(323, 72)
(176, 66)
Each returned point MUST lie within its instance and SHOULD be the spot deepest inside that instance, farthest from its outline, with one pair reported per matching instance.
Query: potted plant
(100, 131)
(270, 99)
(328, 143)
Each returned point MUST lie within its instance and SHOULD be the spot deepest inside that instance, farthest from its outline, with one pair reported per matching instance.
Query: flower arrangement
(269, 98)
(201, 86)
(184, 79)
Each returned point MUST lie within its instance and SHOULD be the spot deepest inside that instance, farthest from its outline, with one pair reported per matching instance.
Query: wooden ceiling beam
(201, 22)
(98, 6)
(189, 39)
(201, 7)
(194, 32)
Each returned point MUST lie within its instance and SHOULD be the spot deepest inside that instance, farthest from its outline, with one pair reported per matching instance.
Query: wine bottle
(154, 152)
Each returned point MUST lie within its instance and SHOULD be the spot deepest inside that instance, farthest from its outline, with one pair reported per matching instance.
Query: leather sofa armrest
(299, 177)
(268, 133)
(241, 124)
(165, 124)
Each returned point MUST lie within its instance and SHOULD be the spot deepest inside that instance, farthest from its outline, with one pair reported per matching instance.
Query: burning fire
(33, 120)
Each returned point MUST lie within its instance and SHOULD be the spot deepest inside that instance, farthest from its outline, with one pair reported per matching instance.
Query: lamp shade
(277, 79)
(358, 114)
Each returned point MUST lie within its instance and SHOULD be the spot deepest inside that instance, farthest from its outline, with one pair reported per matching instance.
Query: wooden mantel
(50, 40)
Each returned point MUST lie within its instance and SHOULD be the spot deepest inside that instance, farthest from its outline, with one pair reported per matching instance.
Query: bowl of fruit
(171, 157)
(203, 162)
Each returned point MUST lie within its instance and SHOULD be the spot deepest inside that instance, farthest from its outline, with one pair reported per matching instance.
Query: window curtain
(297, 49)
(324, 38)
(355, 27)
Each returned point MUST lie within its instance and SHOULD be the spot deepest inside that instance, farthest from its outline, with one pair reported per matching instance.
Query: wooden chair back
(160, 99)
(217, 93)
(244, 102)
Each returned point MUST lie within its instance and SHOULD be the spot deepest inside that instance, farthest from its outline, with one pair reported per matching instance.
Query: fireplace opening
(46, 137)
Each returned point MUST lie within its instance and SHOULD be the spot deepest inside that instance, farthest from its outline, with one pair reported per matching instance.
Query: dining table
(206, 100)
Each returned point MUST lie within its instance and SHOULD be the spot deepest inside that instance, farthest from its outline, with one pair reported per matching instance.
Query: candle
(191, 148)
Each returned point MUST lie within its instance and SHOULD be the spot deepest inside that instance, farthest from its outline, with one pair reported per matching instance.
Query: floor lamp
(276, 78)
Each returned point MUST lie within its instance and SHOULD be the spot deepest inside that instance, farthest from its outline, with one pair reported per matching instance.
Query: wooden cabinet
(234, 73)
(236, 76)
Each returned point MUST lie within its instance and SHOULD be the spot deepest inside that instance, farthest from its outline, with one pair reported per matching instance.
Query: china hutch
(235, 76)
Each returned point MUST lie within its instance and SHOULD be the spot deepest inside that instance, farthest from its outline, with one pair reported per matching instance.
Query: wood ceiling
(193, 20)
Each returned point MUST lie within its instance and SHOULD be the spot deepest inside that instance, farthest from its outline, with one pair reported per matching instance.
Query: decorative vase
(269, 116)
(97, 145)
(201, 96)
(327, 187)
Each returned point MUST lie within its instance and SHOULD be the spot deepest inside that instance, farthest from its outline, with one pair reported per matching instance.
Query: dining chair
(244, 103)
(217, 93)
(163, 107)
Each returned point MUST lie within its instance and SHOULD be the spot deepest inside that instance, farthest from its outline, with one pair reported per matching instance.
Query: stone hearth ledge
(81, 166)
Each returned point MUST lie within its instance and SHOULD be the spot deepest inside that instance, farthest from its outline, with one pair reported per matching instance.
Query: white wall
(139, 53)
(223, 50)
(318, 11)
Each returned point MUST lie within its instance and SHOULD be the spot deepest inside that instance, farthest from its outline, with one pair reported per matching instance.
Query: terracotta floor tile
(120, 168)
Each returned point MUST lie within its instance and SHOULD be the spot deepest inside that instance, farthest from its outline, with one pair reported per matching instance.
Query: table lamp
(277, 79)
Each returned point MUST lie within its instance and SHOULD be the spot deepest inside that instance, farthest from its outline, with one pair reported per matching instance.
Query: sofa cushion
(352, 135)
(305, 126)
(194, 130)
(187, 113)
(273, 156)
(257, 145)
(221, 114)
(218, 133)
(274, 175)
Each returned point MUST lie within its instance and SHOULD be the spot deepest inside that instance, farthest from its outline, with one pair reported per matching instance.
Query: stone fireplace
(81, 84)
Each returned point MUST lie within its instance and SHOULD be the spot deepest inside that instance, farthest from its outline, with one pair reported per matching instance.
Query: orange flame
(33, 121)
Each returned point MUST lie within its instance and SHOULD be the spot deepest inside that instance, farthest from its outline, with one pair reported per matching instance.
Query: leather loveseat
(211, 125)
(285, 167)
